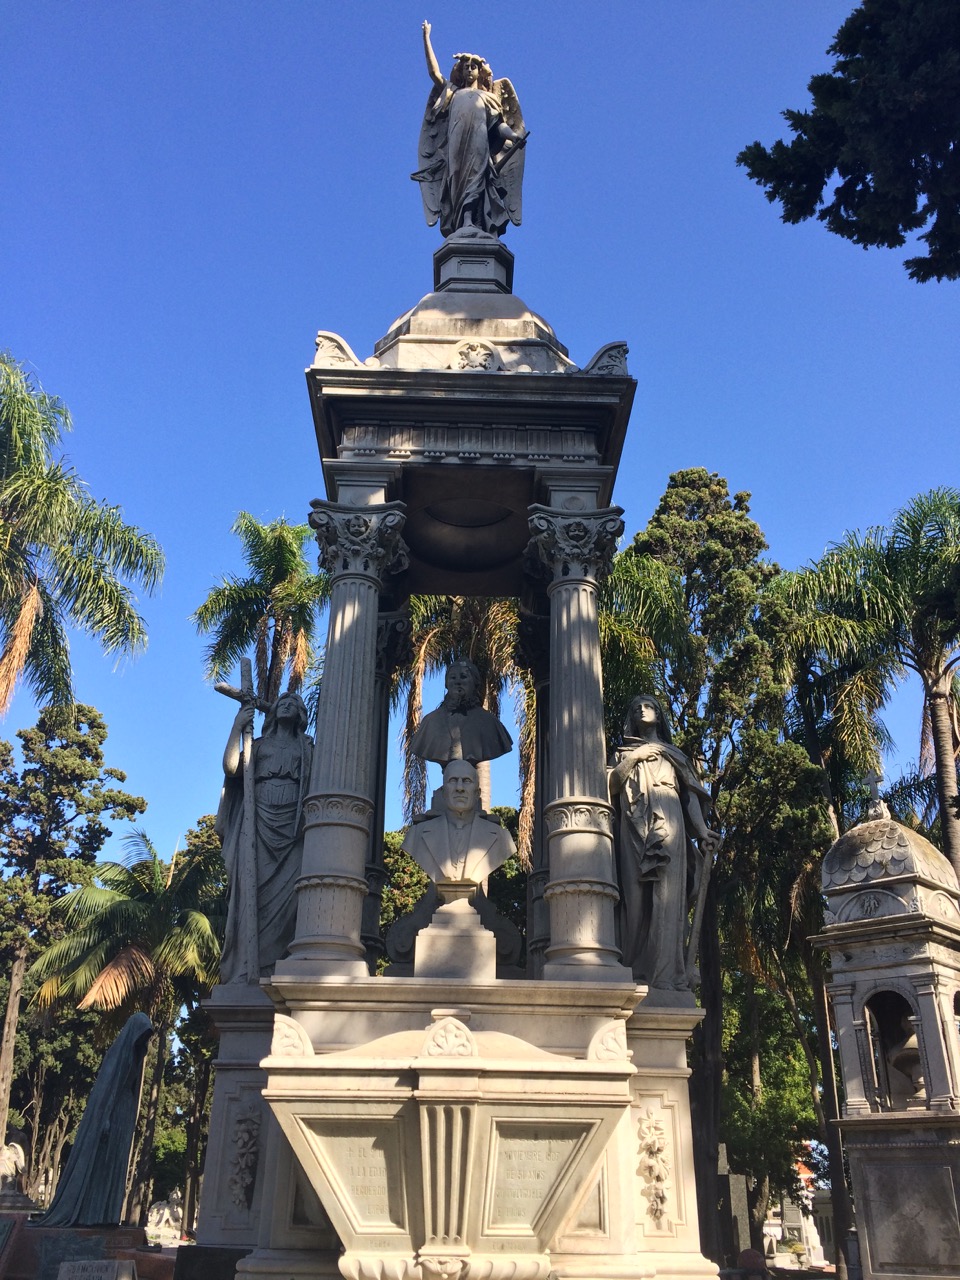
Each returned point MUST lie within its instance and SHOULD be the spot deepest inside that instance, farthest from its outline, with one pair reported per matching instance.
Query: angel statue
(471, 147)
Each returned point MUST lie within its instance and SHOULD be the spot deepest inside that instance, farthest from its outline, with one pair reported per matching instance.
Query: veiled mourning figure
(263, 871)
(460, 728)
(471, 147)
(458, 844)
(92, 1186)
(661, 810)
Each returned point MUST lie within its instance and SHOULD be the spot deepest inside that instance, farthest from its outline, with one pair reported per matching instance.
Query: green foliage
(720, 671)
(776, 830)
(54, 816)
(142, 936)
(766, 1131)
(67, 559)
(406, 882)
(273, 611)
(885, 123)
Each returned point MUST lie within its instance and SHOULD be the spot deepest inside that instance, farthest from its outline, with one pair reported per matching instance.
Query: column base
(587, 971)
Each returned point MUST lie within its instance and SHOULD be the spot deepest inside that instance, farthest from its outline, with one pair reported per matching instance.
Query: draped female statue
(266, 902)
(471, 147)
(661, 810)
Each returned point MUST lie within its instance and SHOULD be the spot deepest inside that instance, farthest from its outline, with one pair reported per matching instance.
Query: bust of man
(460, 728)
(458, 844)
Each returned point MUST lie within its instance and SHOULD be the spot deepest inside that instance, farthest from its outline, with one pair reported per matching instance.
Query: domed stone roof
(883, 850)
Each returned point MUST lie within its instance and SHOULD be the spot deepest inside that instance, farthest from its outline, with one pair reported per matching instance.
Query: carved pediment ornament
(333, 351)
(289, 1039)
(449, 1038)
(610, 360)
(477, 357)
(609, 1043)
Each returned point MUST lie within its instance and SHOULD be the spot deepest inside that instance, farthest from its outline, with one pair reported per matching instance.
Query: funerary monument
(452, 1120)
(892, 930)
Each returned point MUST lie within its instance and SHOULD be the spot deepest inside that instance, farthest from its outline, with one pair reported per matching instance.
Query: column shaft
(582, 893)
(358, 546)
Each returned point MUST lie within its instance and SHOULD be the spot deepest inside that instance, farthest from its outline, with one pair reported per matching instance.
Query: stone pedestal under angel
(471, 147)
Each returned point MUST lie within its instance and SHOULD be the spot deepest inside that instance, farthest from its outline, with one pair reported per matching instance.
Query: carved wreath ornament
(654, 1167)
(245, 1158)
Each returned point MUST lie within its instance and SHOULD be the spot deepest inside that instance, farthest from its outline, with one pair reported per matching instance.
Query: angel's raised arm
(433, 69)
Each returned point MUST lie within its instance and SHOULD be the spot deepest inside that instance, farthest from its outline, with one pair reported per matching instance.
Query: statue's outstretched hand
(710, 842)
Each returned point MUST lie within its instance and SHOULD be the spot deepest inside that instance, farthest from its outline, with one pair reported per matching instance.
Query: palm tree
(444, 629)
(902, 583)
(144, 937)
(639, 612)
(273, 610)
(65, 559)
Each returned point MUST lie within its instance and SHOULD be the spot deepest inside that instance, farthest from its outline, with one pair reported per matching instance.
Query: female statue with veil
(471, 147)
(661, 810)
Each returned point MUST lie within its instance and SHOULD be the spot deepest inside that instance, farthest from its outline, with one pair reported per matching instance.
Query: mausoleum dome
(883, 850)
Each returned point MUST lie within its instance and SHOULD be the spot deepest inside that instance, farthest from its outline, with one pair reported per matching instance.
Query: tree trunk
(839, 1194)
(812, 743)
(705, 1082)
(9, 1037)
(141, 1185)
(192, 1162)
(758, 1194)
(941, 725)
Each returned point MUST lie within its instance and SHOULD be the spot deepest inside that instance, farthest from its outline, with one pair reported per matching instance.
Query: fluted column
(393, 647)
(582, 893)
(358, 546)
(534, 653)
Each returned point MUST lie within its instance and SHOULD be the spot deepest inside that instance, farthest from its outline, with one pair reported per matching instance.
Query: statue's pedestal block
(456, 945)
(455, 1131)
(36, 1253)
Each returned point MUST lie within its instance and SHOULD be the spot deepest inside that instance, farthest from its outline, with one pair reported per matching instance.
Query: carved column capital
(575, 546)
(393, 642)
(359, 541)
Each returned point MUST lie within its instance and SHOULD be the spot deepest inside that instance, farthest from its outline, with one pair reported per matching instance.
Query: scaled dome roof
(881, 850)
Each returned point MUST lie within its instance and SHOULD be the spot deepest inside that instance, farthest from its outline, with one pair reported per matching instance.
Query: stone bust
(458, 844)
(460, 728)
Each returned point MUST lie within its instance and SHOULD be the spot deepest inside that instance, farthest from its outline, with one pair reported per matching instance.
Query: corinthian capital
(362, 541)
(575, 546)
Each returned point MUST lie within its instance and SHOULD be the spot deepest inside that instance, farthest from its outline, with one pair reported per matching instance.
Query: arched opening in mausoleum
(895, 1057)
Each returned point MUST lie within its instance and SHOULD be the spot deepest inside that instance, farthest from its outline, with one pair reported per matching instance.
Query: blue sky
(191, 190)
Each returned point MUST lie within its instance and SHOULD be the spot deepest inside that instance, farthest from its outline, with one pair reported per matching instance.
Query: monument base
(479, 1131)
(905, 1169)
(36, 1253)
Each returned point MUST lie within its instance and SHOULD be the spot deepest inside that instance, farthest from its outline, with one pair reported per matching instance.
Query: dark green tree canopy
(886, 123)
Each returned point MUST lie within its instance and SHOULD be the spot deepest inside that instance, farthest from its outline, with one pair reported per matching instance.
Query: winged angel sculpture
(471, 147)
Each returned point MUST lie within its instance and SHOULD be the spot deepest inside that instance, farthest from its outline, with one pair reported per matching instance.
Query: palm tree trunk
(9, 1038)
(941, 724)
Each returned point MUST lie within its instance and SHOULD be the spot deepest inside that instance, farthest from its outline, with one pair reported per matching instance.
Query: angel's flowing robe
(470, 181)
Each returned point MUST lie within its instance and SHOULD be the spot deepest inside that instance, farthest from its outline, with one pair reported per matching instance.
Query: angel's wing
(432, 156)
(510, 105)
(511, 169)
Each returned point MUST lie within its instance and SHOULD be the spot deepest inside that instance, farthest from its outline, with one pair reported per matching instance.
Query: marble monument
(444, 1121)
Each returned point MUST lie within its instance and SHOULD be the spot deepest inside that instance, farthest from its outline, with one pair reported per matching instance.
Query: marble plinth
(483, 1130)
